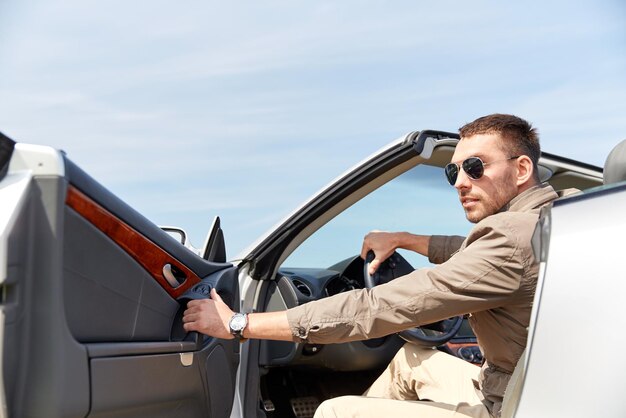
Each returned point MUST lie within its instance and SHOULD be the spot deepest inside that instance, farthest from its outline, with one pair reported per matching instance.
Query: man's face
(487, 195)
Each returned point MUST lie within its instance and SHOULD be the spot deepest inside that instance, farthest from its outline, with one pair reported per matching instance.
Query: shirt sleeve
(442, 247)
(485, 274)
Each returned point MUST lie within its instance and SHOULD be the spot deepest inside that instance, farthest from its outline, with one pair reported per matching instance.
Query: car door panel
(105, 201)
(163, 385)
(46, 370)
(108, 295)
(174, 378)
(89, 315)
(148, 385)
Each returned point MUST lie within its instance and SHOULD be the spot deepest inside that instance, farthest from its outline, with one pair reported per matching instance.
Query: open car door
(92, 301)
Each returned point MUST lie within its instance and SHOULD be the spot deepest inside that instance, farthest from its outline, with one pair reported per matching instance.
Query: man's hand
(208, 316)
(383, 244)
(211, 317)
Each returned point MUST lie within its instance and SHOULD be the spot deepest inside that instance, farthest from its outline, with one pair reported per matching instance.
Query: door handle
(173, 276)
(198, 291)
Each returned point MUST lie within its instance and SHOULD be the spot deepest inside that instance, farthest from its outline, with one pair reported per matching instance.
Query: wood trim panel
(455, 347)
(149, 255)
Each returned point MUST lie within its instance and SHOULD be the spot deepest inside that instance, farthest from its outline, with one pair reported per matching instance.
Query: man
(491, 275)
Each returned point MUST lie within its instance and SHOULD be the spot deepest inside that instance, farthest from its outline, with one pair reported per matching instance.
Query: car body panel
(575, 362)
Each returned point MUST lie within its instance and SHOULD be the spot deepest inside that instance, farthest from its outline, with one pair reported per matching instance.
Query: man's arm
(442, 247)
(211, 317)
(383, 244)
(487, 274)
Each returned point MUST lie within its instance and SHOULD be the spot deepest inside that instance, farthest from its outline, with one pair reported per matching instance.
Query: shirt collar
(533, 198)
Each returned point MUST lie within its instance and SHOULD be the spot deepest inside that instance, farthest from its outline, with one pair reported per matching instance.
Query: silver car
(93, 292)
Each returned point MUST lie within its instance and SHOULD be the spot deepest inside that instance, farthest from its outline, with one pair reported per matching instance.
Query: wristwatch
(237, 324)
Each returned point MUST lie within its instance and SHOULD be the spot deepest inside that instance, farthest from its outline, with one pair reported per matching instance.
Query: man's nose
(462, 180)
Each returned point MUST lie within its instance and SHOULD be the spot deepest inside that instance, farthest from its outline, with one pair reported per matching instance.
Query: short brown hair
(519, 136)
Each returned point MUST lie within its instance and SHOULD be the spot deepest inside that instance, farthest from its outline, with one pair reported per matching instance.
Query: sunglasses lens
(452, 171)
(473, 166)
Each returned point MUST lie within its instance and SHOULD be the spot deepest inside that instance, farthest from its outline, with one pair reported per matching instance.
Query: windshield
(419, 201)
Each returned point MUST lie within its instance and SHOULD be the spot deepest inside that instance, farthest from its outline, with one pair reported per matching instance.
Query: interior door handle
(198, 291)
(173, 276)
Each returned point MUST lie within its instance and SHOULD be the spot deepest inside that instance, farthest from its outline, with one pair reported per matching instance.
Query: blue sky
(188, 110)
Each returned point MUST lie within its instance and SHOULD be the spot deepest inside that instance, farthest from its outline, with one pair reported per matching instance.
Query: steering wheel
(446, 328)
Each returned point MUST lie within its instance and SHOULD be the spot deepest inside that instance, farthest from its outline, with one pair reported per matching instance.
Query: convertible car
(93, 292)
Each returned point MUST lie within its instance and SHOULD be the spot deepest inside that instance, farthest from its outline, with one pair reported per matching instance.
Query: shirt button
(301, 331)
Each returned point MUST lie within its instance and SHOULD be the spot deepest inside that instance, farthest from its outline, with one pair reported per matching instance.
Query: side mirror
(177, 233)
(214, 246)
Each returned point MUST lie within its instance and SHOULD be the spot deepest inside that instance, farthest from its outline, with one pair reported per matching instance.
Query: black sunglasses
(473, 166)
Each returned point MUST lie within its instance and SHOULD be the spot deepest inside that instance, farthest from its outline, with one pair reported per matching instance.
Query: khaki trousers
(419, 382)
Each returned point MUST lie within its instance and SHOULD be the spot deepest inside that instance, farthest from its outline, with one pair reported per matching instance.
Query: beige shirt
(492, 275)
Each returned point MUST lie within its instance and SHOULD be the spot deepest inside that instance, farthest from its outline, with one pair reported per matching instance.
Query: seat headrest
(615, 165)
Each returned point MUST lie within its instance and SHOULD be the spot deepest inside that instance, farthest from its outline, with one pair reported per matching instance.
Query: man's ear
(525, 170)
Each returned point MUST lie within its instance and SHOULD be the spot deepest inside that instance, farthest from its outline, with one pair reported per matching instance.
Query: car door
(92, 301)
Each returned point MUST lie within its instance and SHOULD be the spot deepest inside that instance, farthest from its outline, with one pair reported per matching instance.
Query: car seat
(615, 165)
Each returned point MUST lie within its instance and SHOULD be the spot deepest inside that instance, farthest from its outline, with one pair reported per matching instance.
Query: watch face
(238, 322)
